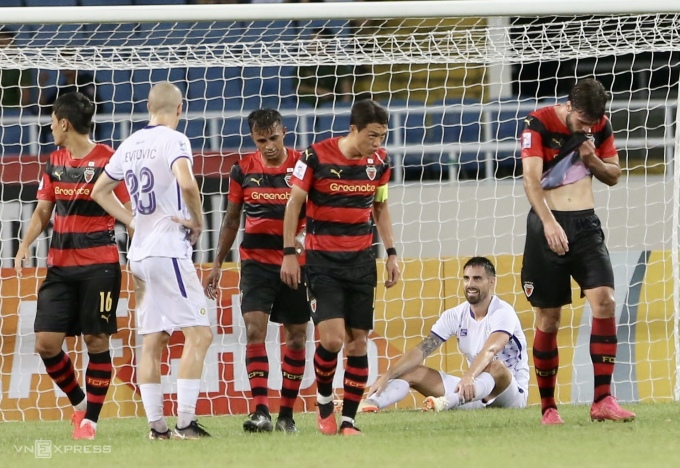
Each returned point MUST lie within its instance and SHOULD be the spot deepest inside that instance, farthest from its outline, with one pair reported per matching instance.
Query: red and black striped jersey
(263, 191)
(83, 233)
(545, 136)
(340, 198)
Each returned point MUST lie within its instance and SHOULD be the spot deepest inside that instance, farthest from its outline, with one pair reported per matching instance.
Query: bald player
(155, 163)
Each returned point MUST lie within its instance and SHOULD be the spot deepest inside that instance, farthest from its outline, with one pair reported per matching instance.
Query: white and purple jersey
(144, 161)
(472, 334)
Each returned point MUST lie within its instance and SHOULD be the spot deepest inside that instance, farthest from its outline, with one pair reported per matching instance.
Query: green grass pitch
(485, 438)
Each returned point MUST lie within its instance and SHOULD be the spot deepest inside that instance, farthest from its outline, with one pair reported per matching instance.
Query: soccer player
(155, 163)
(80, 292)
(344, 181)
(563, 147)
(260, 182)
(490, 336)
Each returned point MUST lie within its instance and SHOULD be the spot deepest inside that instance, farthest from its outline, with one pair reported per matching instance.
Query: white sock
(396, 390)
(82, 406)
(346, 419)
(452, 400)
(187, 395)
(323, 400)
(152, 399)
(484, 384)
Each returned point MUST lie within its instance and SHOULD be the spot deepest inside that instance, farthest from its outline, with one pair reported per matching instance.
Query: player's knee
(548, 320)
(334, 344)
(296, 340)
(97, 343)
(255, 334)
(358, 346)
(199, 337)
(48, 345)
(256, 327)
(604, 307)
(47, 349)
(500, 373)
(205, 337)
(495, 367)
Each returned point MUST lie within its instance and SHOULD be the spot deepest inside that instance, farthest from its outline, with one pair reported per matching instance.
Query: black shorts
(347, 293)
(262, 290)
(546, 275)
(79, 300)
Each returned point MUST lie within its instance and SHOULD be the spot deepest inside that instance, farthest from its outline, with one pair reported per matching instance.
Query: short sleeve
(178, 147)
(531, 139)
(114, 168)
(45, 187)
(303, 173)
(235, 195)
(607, 147)
(447, 325)
(503, 320)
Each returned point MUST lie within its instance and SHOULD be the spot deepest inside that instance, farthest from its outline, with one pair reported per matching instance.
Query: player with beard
(490, 336)
(563, 148)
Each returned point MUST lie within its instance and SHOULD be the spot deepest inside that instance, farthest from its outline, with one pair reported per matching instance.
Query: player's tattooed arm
(413, 357)
(429, 344)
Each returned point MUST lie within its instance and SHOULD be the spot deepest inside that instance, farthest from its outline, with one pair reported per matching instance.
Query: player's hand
(587, 153)
(556, 237)
(194, 228)
(22, 256)
(212, 281)
(393, 273)
(378, 386)
(466, 389)
(290, 271)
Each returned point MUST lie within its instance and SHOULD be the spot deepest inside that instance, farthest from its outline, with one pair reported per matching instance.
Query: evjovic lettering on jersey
(145, 162)
(472, 334)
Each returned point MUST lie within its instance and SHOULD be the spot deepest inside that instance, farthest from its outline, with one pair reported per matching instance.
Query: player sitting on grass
(490, 335)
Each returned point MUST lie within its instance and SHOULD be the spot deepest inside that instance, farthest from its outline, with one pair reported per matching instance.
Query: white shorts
(173, 297)
(512, 397)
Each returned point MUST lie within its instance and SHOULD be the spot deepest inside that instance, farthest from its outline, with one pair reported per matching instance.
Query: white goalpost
(458, 78)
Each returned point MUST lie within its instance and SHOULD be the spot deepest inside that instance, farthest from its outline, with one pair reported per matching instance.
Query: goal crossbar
(373, 10)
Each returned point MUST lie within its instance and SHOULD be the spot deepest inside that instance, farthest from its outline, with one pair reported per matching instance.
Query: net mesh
(458, 90)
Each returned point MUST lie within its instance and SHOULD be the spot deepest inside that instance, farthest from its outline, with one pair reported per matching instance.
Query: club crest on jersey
(312, 305)
(528, 288)
(463, 332)
(371, 171)
(89, 174)
(289, 174)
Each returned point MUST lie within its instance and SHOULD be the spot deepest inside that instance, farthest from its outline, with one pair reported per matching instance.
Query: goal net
(458, 84)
